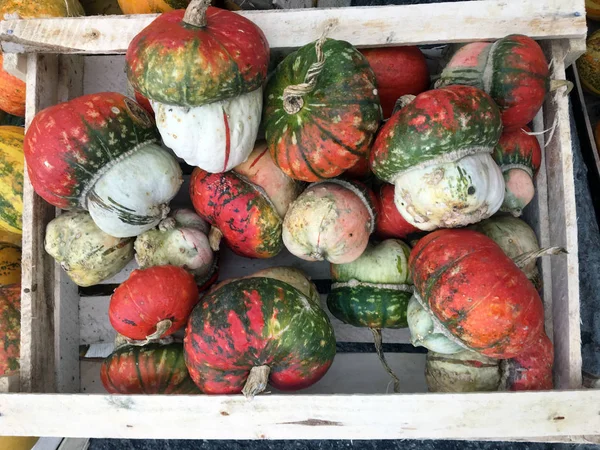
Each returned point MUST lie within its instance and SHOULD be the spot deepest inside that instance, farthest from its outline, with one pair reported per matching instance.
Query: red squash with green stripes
(153, 303)
(476, 294)
(149, 369)
(325, 131)
(10, 328)
(202, 70)
(513, 70)
(245, 206)
(266, 328)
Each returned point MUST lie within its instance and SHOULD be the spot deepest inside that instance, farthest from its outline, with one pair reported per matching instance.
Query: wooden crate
(351, 402)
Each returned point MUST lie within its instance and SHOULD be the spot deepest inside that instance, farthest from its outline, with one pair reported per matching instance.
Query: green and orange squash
(202, 70)
(10, 263)
(519, 156)
(321, 133)
(245, 206)
(398, 71)
(10, 328)
(592, 10)
(151, 369)
(436, 150)
(588, 65)
(41, 8)
(475, 294)
(265, 328)
(513, 70)
(153, 303)
(101, 153)
(151, 6)
(11, 178)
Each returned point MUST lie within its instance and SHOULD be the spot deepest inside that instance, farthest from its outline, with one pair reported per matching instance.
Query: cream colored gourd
(215, 137)
(84, 251)
(180, 240)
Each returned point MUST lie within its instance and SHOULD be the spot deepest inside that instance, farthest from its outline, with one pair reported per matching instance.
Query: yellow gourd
(10, 264)
(151, 6)
(11, 178)
(30, 9)
(17, 443)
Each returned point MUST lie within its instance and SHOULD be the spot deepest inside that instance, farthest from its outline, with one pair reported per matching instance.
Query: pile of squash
(411, 191)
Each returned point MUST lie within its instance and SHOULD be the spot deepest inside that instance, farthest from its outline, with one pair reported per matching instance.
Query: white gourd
(129, 198)
(450, 194)
(215, 137)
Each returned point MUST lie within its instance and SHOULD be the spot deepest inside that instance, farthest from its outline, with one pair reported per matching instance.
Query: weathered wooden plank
(350, 373)
(95, 326)
(37, 301)
(411, 416)
(563, 232)
(362, 26)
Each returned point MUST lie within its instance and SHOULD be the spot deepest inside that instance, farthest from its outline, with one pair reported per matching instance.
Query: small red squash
(12, 92)
(513, 70)
(325, 130)
(519, 156)
(150, 369)
(390, 223)
(475, 293)
(10, 328)
(153, 303)
(331, 220)
(531, 370)
(398, 71)
(268, 327)
(245, 206)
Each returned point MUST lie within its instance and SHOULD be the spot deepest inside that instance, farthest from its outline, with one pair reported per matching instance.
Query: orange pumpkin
(12, 93)
(28, 9)
(151, 6)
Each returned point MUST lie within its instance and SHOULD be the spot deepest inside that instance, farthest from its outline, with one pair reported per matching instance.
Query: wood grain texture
(563, 230)
(37, 302)
(362, 26)
(411, 416)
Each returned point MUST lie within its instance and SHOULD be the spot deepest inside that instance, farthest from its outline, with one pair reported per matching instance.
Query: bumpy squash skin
(466, 371)
(151, 6)
(435, 123)
(12, 92)
(230, 55)
(588, 65)
(10, 263)
(399, 71)
(497, 313)
(10, 328)
(66, 144)
(337, 123)
(513, 70)
(41, 8)
(519, 156)
(11, 178)
(85, 252)
(150, 370)
(150, 296)
(532, 369)
(249, 222)
(390, 223)
(253, 322)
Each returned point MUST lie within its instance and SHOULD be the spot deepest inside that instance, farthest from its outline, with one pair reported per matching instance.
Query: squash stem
(379, 349)
(195, 14)
(161, 328)
(526, 258)
(257, 381)
(214, 238)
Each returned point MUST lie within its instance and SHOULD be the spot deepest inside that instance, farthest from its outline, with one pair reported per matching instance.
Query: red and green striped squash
(336, 124)
(100, 152)
(247, 205)
(12, 168)
(10, 328)
(475, 293)
(519, 156)
(175, 62)
(266, 327)
(153, 303)
(513, 70)
(150, 369)
(436, 150)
